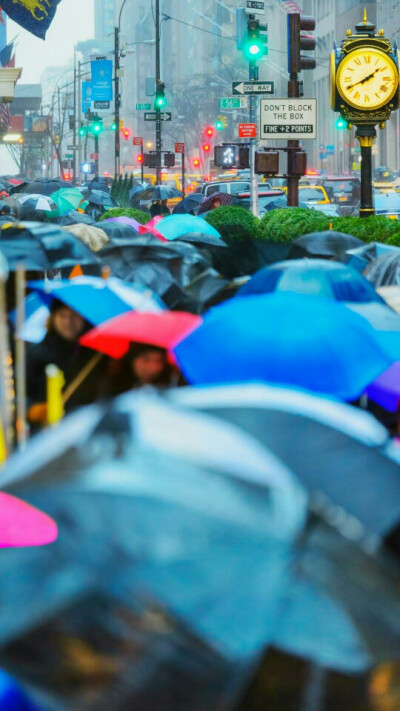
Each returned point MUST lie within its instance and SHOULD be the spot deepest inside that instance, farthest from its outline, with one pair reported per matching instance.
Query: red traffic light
(126, 133)
(209, 131)
(206, 147)
(67, 176)
(196, 162)
(140, 158)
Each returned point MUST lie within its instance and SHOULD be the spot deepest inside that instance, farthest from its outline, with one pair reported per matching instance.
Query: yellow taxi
(383, 186)
(311, 193)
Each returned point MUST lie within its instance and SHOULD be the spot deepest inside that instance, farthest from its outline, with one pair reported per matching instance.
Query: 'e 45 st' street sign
(152, 116)
(252, 87)
(143, 107)
(255, 7)
(288, 118)
(233, 102)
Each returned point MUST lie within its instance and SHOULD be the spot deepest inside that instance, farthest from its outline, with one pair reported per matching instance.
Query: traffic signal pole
(116, 100)
(293, 146)
(158, 83)
(253, 103)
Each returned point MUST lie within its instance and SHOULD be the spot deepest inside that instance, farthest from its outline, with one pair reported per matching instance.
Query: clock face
(367, 78)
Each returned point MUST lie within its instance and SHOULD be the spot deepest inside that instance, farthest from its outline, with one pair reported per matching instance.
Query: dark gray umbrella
(159, 192)
(73, 218)
(328, 244)
(170, 561)
(189, 203)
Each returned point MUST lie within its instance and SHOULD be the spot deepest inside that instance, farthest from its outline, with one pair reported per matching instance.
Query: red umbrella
(164, 329)
(151, 228)
(24, 525)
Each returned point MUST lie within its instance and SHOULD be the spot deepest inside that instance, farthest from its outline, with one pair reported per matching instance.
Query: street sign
(233, 102)
(152, 116)
(137, 141)
(94, 156)
(247, 130)
(252, 87)
(71, 147)
(255, 7)
(179, 147)
(68, 156)
(330, 150)
(288, 118)
(143, 107)
(101, 104)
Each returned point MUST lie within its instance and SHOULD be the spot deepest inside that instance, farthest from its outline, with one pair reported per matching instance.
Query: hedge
(233, 223)
(138, 215)
(287, 224)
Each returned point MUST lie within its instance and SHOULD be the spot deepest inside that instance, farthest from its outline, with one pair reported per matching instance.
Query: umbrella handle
(82, 375)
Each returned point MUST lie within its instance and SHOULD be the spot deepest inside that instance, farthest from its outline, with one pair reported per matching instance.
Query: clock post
(364, 88)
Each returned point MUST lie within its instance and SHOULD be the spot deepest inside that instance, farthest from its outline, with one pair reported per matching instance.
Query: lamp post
(117, 99)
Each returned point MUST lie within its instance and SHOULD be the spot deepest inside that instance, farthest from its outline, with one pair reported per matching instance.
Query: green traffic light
(160, 102)
(340, 123)
(113, 126)
(254, 49)
(219, 125)
(82, 131)
(97, 128)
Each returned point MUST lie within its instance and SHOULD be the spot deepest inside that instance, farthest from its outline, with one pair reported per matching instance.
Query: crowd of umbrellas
(232, 544)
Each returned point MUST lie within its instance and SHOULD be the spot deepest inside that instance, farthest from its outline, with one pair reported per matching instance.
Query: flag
(6, 54)
(4, 117)
(290, 6)
(35, 16)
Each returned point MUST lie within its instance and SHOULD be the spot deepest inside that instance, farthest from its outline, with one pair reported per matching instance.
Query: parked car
(387, 204)
(232, 187)
(314, 194)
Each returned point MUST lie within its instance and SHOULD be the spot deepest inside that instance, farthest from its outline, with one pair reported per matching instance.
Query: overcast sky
(73, 22)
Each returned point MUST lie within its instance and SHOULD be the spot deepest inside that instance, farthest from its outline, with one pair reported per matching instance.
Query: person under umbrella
(215, 200)
(61, 347)
(159, 207)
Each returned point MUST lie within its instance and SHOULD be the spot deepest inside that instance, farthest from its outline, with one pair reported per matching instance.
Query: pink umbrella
(150, 228)
(24, 525)
(162, 329)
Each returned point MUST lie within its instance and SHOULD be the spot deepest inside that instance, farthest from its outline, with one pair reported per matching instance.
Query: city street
(199, 355)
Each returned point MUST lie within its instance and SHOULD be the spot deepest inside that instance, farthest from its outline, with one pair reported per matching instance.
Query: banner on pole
(86, 96)
(102, 89)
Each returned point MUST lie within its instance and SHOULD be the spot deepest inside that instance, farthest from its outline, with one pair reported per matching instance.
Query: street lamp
(117, 99)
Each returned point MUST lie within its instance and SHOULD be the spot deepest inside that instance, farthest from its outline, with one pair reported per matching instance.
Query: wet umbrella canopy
(329, 244)
(317, 276)
(384, 271)
(159, 192)
(132, 574)
(45, 186)
(190, 202)
(42, 246)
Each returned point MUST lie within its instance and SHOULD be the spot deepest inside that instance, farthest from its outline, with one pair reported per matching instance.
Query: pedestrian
(159, 208)
(144, 364)
(61, 347)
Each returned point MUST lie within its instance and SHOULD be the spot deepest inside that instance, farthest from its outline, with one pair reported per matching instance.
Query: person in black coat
(61, 347)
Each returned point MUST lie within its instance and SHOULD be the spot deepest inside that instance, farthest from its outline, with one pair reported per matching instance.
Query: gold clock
(367, 78)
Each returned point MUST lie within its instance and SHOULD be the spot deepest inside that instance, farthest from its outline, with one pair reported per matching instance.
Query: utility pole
(75, 121)
(158, 84)
(116, 100)
(253, 103)
(79, 118)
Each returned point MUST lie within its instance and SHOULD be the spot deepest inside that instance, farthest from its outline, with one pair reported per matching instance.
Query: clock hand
(362, 81)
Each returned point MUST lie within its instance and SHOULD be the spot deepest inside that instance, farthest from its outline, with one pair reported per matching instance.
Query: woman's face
(68, 324)
(216, 203)
(148, 366)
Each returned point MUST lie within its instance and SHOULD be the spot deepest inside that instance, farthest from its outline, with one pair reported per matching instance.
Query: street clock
(364, 76)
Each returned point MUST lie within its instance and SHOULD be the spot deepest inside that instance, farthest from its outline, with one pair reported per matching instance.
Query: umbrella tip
(105, 273)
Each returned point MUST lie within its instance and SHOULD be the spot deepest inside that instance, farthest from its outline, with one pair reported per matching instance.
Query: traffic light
(266, 162)
(244, 157)
(219, 124)
(96, 125)
(169, 160)
(82, 130)
(225, 156)
(255, 45)
(113, 126)
(126, 133)
(66, 175)
(160, 101)
(196, 162)
(297, 42)
(140, 158)
(209, 132)
(340, 123)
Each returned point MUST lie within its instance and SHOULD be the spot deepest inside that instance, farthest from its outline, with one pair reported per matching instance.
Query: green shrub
(287, 224)
(369, 229)
(233, 223)
(138, 215)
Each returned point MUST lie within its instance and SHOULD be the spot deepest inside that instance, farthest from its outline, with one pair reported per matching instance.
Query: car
(343, 190)
(314, 194)
(387, 204)
(232, 187)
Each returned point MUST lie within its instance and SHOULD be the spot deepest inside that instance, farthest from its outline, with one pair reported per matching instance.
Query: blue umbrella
(292, 339)
(176, 226)
(190, 202)
(318, 277)
(96, 299)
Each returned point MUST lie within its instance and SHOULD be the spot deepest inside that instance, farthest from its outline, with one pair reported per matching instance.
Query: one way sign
(252, 87)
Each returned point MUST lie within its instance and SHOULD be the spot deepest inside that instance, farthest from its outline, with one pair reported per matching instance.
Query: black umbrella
(189, 203)
(168, 268)
(72, 218)
(99, 183)
(171, 558)
(43, 246)
(45, 186)
(118, 232)
(199, 238)
(99, 197)
(159, 192)
(328, 244)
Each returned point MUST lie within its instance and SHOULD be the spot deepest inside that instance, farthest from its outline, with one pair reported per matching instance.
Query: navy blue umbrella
(318, 277)
(189, 203)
